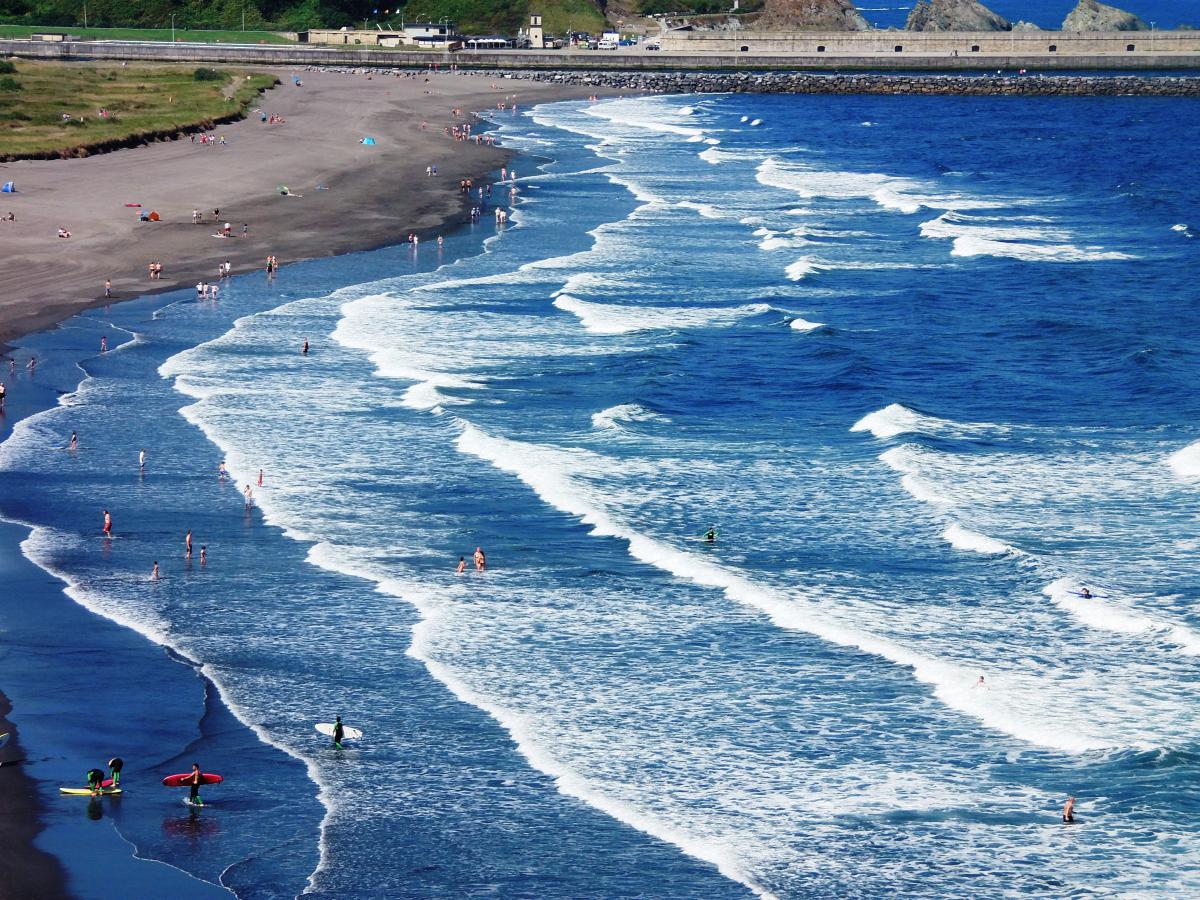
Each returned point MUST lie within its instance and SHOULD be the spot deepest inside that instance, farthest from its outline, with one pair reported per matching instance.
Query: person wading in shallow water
(338, 732)
(193, 781)
(1069, 811)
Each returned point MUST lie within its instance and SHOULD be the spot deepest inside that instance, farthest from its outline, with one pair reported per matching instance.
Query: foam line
(951, 684)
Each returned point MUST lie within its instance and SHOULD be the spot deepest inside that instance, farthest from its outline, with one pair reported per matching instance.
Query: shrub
(7, 68)
(203, 74)
(8, 83)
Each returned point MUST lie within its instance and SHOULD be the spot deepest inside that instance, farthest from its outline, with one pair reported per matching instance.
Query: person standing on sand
(249, 492)
(107, 524)
(480, 560)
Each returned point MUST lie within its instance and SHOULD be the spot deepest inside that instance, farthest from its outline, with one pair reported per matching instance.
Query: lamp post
(172, 28)
(1151, 37)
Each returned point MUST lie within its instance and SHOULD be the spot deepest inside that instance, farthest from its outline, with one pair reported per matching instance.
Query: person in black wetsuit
(338, 732)
(114, 770)
(94, 779)
(711, 535)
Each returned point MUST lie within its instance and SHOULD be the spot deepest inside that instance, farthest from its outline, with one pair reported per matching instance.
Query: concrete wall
(301, 55)
(931, 42)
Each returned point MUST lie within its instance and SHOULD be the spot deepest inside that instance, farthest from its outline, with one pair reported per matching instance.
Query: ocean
(925, 364)
(1047, 14)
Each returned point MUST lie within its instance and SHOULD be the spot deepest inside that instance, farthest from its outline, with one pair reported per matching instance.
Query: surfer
(94, 779)
(462, 565)
(711, 535)
(1085, 594)
(114, 770)
(1069, 811)
(338, 732)
(480, 560)
(193, 781)
(107, 524)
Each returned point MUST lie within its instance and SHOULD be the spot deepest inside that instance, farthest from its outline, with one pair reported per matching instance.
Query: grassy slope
(140, 100)
(150, 34)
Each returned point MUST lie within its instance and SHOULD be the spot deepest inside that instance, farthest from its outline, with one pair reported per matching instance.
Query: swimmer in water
(480, 560)
(462, 565)
(1085, 594)
(711, 535)
(981, 684)
(1069, 811)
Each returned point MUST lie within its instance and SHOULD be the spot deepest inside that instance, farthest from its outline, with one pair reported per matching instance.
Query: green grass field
(140, 99)
(151, 34)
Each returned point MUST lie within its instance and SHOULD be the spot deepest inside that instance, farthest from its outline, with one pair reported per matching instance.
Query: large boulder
(810, 15)
(954, 15)
(1088, 15)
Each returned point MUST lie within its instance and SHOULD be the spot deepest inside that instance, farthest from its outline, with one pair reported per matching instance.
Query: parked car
(652, 44)
(606, 45)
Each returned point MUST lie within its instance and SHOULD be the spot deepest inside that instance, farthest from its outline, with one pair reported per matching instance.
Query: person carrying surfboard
(193, 781)
(339, 732)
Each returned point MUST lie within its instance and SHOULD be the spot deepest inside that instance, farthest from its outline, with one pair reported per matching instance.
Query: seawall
(914, 56)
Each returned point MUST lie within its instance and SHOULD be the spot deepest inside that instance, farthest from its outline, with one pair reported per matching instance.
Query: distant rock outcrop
(1025, 26)
(954, 15)
(810, 15)
(1088, 15)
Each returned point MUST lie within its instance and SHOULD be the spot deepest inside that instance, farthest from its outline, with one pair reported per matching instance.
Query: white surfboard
(348, 733)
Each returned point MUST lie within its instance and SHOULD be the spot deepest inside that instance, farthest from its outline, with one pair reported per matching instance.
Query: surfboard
(348, 733)
(81, 792)
(182, 780)
(4, 738)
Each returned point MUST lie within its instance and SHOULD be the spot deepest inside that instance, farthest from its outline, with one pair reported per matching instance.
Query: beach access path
(372, 195)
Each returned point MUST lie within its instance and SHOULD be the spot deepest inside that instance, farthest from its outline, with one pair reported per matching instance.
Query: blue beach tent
(369, 141)
(9, 188)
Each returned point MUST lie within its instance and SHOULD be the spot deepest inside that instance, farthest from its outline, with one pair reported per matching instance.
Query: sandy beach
(372, 195)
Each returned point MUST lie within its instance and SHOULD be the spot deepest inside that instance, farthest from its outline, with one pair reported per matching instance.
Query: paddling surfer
(1085, 594)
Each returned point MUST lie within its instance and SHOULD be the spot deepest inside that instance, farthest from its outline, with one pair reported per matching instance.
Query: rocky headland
(954, 15)
(1088, 15)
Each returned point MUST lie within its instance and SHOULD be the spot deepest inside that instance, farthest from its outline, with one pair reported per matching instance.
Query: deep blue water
(1048, 14)
(928, 366)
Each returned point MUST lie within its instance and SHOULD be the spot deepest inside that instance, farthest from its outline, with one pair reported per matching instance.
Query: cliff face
(810, 15)
(954, 15)
(1088, 15)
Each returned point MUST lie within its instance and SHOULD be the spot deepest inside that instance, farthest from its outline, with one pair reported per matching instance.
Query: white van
(606, 45)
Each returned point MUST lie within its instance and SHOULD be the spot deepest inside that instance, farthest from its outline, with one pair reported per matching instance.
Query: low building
(488, 42)
(412, 34)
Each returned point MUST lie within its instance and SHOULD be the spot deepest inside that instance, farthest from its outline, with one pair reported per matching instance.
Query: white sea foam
(802, 268)
(755, 123)
(611, 418)
(890, 199)
(895, 419)
(1185, 463)
(975, 246)
(1014, 238)
(1104, 613)
(602, 318)
(964, 539)
(905, 460)
(544, 470)
(706, 210)
(800, 324)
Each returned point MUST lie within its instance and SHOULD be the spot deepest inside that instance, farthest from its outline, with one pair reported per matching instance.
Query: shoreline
(345, 197)
(45, 304)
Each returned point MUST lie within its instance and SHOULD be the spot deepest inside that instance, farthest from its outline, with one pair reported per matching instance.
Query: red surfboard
(184, 780)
